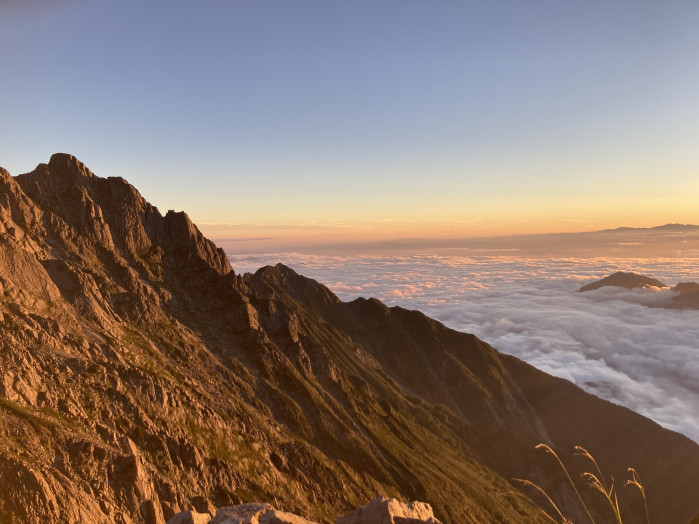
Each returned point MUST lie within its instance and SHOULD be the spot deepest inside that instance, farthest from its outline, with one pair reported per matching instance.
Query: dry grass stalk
(596, 482)
(580, 451)
(570, 480)
(636, 481)
(546, 495)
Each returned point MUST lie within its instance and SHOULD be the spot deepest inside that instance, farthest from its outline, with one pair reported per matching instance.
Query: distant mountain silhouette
(687, 293)
(676, 227)
(626, 280)
(669, 240)
(664, 227)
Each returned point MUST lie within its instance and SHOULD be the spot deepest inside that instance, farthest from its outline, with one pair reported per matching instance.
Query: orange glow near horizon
(523, 215)
(392, 229)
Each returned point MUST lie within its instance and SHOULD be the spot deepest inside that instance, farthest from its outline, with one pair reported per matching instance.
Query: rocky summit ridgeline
(140, 377)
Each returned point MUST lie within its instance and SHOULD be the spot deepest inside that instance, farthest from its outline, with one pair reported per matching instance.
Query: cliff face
(140, 376)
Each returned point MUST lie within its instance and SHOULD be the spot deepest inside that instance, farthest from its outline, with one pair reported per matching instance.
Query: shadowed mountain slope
(140, 376)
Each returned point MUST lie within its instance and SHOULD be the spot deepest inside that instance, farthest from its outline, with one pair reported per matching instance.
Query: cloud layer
(607, 341)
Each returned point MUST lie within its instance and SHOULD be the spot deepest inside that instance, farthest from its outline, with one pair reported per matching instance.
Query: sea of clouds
(618, 344)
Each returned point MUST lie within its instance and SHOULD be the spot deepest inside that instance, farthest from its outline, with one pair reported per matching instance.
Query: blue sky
(365, 118)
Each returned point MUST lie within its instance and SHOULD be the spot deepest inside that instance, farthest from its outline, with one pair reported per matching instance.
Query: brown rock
(152, 512)
(282, 517)
(383, 510)
(256, 513)
(242, 514)
(190, 517)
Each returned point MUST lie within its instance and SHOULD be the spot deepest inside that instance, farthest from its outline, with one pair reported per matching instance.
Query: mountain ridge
(141, 376)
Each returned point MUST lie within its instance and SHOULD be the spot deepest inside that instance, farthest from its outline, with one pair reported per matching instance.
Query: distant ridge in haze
(669, 240)
(626, 280)
(686, 294)
(664, 227)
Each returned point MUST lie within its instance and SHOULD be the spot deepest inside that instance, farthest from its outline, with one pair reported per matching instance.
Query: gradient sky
(323, 119)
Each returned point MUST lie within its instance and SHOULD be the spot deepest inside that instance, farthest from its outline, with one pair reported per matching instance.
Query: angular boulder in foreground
(383, 510)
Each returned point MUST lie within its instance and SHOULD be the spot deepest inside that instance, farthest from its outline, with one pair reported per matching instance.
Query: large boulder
(383, 510)
(242, 514)
(256, 513)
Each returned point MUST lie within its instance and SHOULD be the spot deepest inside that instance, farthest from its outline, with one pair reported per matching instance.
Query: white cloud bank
(607, 341)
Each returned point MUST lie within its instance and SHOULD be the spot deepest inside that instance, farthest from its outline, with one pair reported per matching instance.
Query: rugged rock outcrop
(110, 213)
(140, 377)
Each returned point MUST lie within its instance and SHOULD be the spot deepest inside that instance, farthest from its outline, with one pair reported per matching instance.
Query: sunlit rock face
(140, 377)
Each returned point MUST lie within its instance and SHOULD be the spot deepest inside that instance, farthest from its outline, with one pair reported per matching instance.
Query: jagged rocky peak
(16, 209)
(300, 288)
(181, 234)
(112, 213)
(65, 187)
(70, 163)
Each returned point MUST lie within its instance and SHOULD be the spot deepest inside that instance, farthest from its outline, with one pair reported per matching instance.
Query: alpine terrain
(140, 376)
